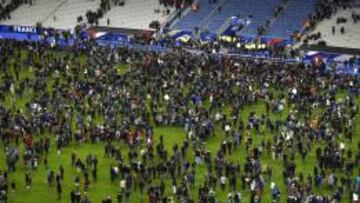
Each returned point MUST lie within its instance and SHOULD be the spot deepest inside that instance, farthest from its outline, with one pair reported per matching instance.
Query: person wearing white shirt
(222, 182)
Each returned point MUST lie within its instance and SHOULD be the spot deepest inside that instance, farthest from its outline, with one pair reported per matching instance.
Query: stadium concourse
(179, 101)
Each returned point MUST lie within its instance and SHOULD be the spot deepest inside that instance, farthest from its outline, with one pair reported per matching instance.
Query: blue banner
(208, 36)
(23, 29)
(235, 25)
(115, 37)
(44, 35)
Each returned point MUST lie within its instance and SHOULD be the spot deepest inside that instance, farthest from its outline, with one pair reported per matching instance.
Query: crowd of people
(192, 91)
(8, 6)
(93, 17)
(338, 28)
(325, 9)
(232, 45)
(185, 90)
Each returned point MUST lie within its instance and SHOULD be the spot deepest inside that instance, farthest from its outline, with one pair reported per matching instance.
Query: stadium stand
(136, 14)
(292, 18)
(350, 38)
(212, 16)
(251, 8)
(65, 16)
(64, 13)
(234, 111)
(192, 19)
(8, 6)
(4, 2)
(31, 14)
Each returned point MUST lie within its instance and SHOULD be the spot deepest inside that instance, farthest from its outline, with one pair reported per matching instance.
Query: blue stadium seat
(193, 19)
(292, 18)
(208, 16)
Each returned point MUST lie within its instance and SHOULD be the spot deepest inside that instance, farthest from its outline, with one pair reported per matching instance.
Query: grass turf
(41, 192)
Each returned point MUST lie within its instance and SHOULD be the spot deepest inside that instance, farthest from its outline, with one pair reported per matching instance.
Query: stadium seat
(135, 14)
(193, 19)
(64, 13)
(38, 12)
(208, 16)
(350, 38)
(292, 19)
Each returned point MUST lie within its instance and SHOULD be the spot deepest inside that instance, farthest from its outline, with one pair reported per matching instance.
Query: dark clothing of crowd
(170, 89)
(7, 8)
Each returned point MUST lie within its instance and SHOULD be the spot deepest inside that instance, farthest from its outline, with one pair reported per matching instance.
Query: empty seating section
(211, 18)
(66, 15)
(228, 9)
(140, 13)
(135, 14)
(4, 2)
(292, 18)
(261, 11)
(30, 15)
(193, 19)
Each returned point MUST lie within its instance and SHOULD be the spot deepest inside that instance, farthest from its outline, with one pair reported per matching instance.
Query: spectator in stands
(355, 17)
(194, 7)
(94, 16)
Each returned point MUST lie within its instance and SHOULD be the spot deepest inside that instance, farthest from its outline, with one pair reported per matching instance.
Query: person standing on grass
(222, 182)
(13, 189)
(3, 187)
(73, 159)
(85, 199)
(72, 196)
(127, 195)
(275, 191)
(107, 200)
(28, 179)
(62, 171)
(51, 178)
(59, 189)
(94, 174)
(119, 196)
